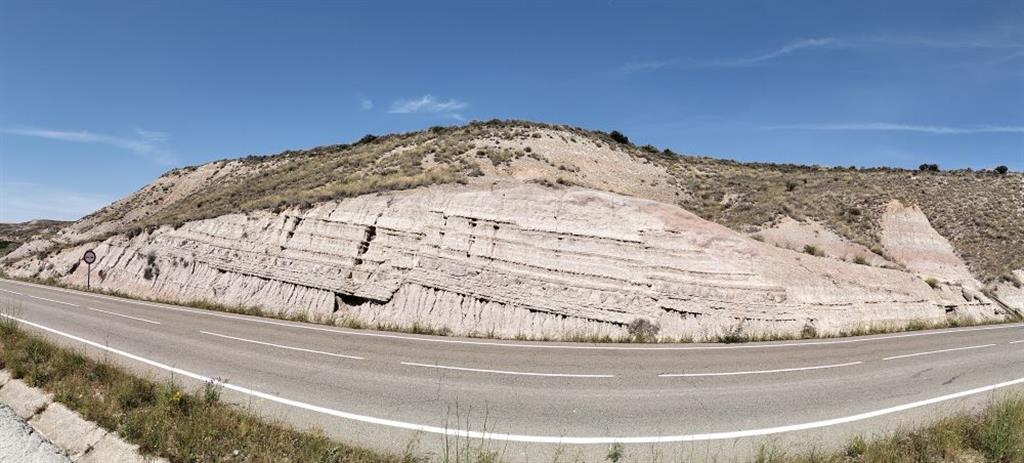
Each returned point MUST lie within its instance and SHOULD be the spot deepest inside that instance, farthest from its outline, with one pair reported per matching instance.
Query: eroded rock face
(508, 260)
(909, 238)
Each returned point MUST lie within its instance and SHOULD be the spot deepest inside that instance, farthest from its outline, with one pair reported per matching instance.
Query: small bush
(642, 330)
(813, 250)
(1002, 170)
(934, 283)
(790, 185)
(928, 168)
(618, 137)
(860, 260)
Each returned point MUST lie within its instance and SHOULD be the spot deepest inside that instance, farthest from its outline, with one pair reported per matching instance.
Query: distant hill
(939, 239)
(13, 235)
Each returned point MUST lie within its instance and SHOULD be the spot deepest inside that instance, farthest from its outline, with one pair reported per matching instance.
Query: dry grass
(993, 435)
(163, 418)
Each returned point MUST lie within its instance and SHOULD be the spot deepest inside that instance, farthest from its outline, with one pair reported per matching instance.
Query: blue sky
(98, 99)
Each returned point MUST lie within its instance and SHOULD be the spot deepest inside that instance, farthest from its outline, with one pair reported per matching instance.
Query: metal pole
(88, 276)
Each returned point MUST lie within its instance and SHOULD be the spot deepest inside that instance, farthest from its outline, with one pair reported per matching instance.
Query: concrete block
(67, 429)
(25, 400)
(111, 449)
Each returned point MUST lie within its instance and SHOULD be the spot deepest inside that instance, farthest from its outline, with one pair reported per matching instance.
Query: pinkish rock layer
(513, 260)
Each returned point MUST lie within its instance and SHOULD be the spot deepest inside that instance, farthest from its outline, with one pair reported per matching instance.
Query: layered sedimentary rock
(508, 260)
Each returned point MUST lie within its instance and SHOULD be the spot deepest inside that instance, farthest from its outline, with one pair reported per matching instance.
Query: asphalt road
(535, 401)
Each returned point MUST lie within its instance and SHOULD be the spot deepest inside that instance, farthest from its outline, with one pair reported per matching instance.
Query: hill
(515, 228)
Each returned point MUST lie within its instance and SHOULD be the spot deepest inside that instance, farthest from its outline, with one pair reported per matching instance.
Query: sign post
(89, 258)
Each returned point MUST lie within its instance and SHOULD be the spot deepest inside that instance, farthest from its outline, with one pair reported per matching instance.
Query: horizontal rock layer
(511, 260)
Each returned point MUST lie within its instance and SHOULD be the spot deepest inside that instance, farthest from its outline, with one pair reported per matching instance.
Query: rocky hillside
(520, 229)
(13, 235)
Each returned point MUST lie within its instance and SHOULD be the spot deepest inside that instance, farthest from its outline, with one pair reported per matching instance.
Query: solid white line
(527, 438)
(501, 372)
(353, 357)
(757, 372)
(937, 352)
(525, 345)
(123, 316)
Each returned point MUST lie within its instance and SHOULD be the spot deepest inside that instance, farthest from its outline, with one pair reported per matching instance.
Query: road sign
(89, 258)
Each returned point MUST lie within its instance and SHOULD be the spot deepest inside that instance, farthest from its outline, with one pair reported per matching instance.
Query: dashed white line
(12, 292)
(1017, 342)
(757, 372)
(525, 345)
(123, 316)
(528, 438)
(955, 349)
(300, 349)
(52, 300)
(502, 372)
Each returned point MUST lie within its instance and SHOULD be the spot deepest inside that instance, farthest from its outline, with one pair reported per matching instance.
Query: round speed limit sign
(89, 257)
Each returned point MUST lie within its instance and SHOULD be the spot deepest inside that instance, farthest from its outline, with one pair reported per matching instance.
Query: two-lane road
(386, 390)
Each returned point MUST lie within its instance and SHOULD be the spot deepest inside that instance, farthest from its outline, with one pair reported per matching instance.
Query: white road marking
(528, 438)
(300, 349)
(51, 300)
(757, 372)
(123, 316)
(12, 292)
(1017, 342)
(527, 345)
(918, 354)
(501, 372)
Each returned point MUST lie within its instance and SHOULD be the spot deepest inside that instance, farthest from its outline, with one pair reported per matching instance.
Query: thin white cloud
(777, 53)
(1014, 49)
(646, 65)
(365, 103)
(885, 126)
(149, 144)
(21, 201)
(429, 104)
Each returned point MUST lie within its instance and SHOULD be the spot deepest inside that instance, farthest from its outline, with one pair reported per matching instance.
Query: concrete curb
(83, 440)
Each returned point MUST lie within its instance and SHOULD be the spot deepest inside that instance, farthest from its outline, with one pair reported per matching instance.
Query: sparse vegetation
(163, 418)
(933, 282)
(643, 330)
(848, 201)
(1001, 170)
(992, 435)
(813, 250)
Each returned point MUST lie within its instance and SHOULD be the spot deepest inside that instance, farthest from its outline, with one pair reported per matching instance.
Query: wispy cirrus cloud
(890, 127)
(429, 104)
(1013, 50)
(773, 54)
(147, 143)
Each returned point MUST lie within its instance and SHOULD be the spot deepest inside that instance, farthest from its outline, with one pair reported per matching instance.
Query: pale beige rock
(67, 429)
(513, 259)
(909, 239)
(793, 234)
(25, 400)
(4, 377)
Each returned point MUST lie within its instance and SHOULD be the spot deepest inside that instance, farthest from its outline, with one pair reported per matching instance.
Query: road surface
(533, 401)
